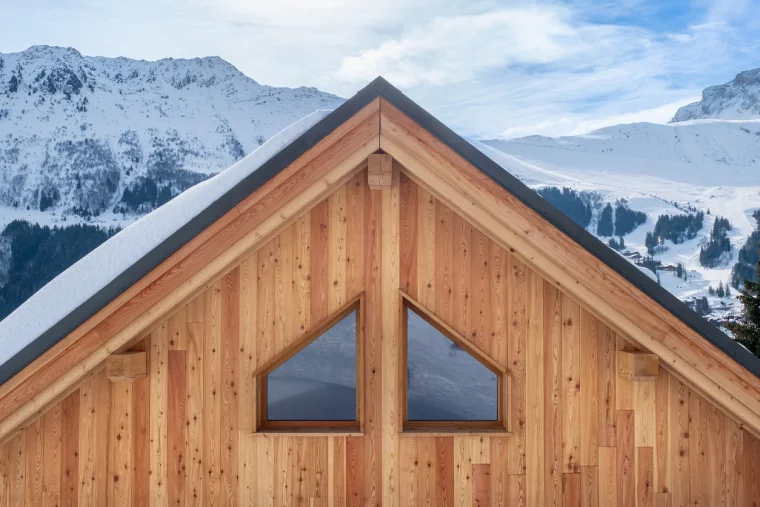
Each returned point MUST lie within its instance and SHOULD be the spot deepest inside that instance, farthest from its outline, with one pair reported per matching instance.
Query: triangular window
(449, 383)
(315, 381)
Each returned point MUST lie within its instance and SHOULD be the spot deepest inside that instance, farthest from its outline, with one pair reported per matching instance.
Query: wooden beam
(380, 171)
(120, 367)
(638, 365)
(207, 257)
(566, 264)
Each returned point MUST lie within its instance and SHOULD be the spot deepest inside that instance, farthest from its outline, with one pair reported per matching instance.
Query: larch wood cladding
(580, 434)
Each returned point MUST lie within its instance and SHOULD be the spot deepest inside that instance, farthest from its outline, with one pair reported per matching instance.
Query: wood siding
(184, 435)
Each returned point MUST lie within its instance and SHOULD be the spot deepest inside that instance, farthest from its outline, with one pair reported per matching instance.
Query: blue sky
(486, 68)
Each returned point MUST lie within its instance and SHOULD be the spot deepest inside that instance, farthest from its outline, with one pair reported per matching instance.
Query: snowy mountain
(83, 136)
(684, 168)
(736, 100)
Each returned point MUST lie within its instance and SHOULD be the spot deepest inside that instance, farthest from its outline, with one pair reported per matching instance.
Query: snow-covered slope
(736, 100)
(77, 131)
(93, 272)
(679, 168)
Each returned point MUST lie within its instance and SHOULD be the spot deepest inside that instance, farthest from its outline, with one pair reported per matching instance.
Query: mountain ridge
(738, 99)
(78, 132)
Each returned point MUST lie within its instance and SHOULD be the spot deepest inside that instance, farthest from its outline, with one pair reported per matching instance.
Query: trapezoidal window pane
(319, 382)
(445, 382)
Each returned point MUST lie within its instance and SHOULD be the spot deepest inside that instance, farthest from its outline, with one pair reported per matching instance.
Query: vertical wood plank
(176, 324)
(230, 321)
(589, 486)
(266, 471)
(571, 490)
(16, 469)
(750, 494)
(624, 386)
(608, 496)
(607, 347)
(94, 427)
(571, 406)
(589, 402)
(158, 416)
(212, 394)
(662, 448)
(51, 480)
(338, 472)
(427, 489)
(121, 445)
(390, 344)
(374, 479)
(409, 465)
(337, 247)
(644, 477)
(481, 485)
(247, 358)
(195, 414)
(355, 193)
(176, 424)
(517, 491)
(319, 229)
(734, 459)
(716, 455)
(444, 263)
(265, 309)
(408, 232)
(426, 248)
(679, 436)
(462, 472)
(553, 397)
(644, 392)
(34, 461)
(626, 459)
(247, 469)
(498, 306)
(302, 274)
(480, 290)
(534, 381)
(355, 465)
(70, 450)
(698, 461)
(517, 314)
(462, 266)
(141, 434)
(285, 325)
(499, 469)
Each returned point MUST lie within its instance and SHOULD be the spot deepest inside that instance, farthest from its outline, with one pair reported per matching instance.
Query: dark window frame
(264, 424)
(500, 425)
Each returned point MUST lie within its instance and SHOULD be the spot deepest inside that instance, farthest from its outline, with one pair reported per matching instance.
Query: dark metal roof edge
(580, 235)
(377, 88)
(184, 234)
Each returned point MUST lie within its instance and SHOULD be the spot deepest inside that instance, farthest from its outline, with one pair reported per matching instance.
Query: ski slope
(707, 165)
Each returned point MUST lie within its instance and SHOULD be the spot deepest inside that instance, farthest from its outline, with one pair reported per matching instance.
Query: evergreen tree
(605, 226)
(747, 330)
(701, 306)
(650, 242)
(720, 292)
(711, 290)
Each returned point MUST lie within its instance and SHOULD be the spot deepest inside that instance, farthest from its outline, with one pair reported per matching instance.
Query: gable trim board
(240, 199)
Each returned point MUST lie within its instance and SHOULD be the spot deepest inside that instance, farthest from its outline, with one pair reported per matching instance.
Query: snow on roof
(90, 274)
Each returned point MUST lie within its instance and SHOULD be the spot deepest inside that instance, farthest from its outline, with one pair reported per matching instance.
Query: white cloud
(457, 48)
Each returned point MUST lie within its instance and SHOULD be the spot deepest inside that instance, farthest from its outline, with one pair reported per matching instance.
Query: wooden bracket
(121, 367)
(638, 365)
(379, 171)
